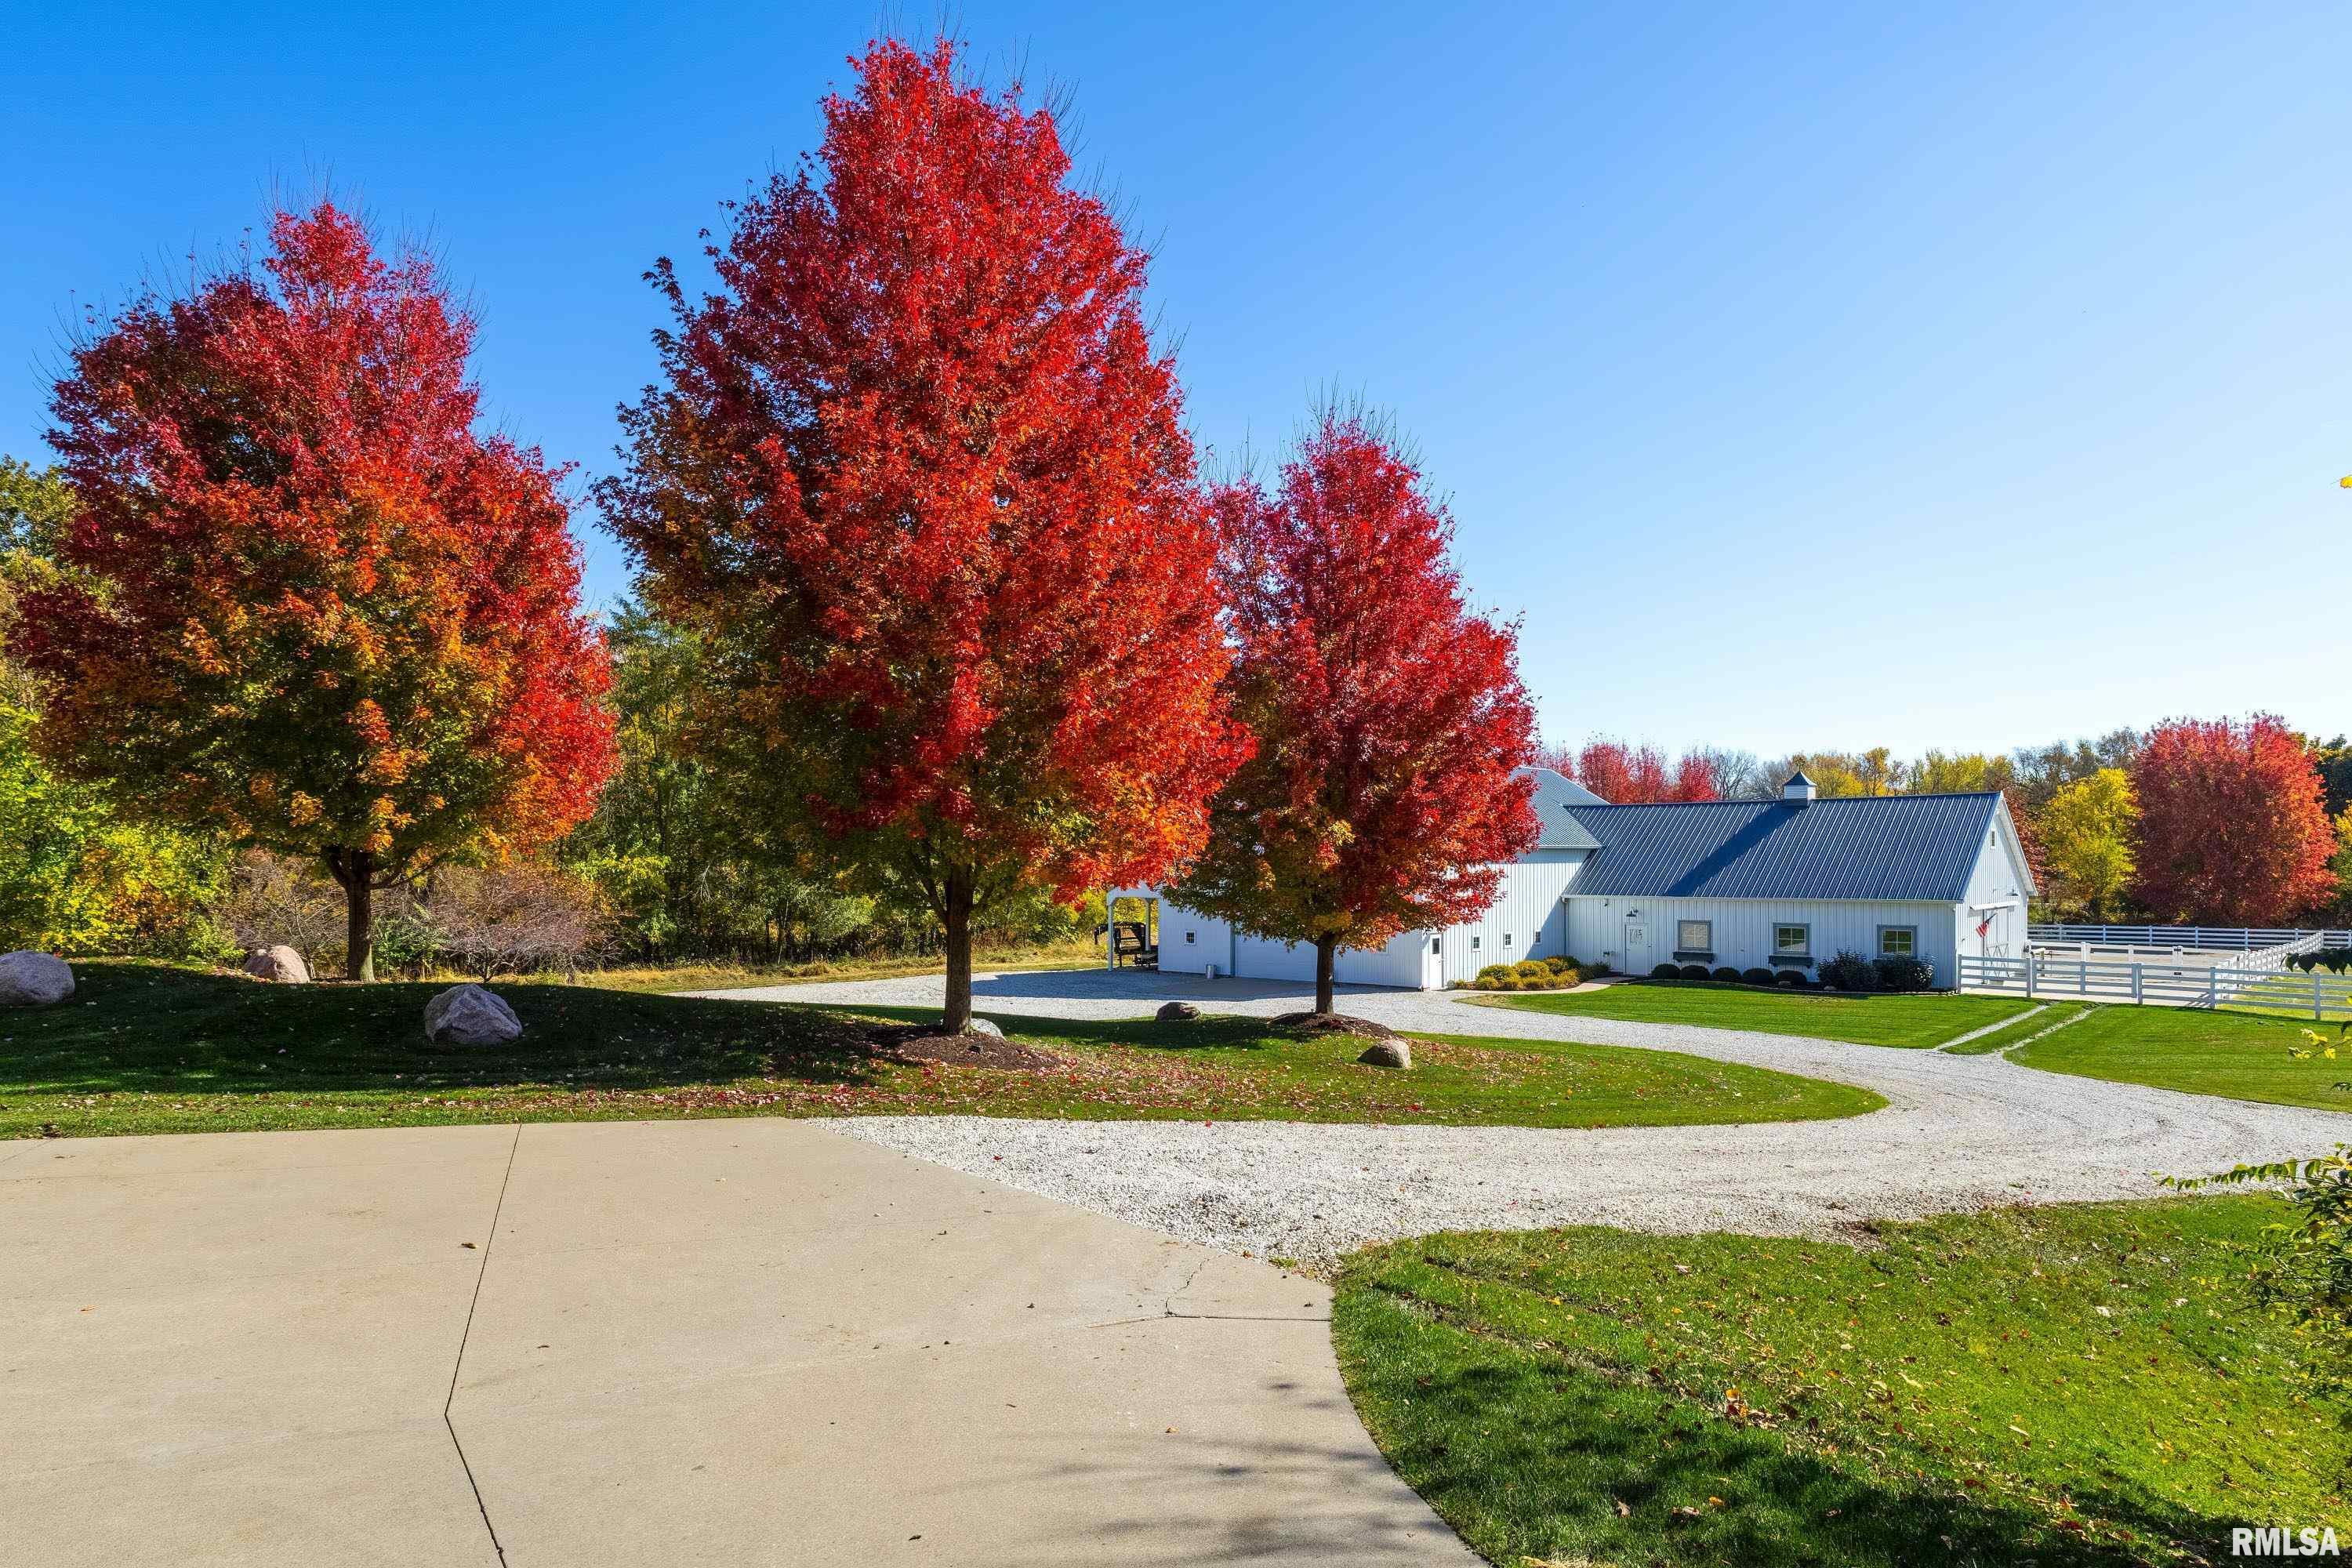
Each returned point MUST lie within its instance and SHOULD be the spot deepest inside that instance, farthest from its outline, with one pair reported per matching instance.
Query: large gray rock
(34, 980)
(469, 1015)
(982, 1026)
(1396, 1053)
(279, 965)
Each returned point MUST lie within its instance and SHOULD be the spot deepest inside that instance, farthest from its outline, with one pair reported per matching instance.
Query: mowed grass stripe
(2237, 1055)
(1912, 1022)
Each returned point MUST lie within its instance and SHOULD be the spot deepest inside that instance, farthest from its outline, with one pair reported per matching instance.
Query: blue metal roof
(1554, 793)
(1920, 846)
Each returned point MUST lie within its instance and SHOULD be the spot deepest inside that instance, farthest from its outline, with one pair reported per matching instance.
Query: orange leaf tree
(2232, 828)
(305, 603)
(917, 476)
(1387, 717)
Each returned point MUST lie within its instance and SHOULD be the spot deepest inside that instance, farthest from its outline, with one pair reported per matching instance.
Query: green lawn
(2028, 1025)
(2243, 1056)
(152, 1048)
(2071, 1385)
(1906, 1020)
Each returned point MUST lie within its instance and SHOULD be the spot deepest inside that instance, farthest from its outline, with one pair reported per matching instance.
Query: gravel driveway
(1958, 1133)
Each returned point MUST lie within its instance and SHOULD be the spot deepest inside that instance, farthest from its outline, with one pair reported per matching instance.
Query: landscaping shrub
(1495, 971)
(1594, 970)
(1666, 971)
(1904, 974)
(1509, 982)
(1725, 974)
(1794, 979)
(1759, 977)
(1692, 971)
(1849, 971)
(1532, 969)
(1559, 963)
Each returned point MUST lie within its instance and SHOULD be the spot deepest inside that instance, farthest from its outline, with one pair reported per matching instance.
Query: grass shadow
(135, 1029)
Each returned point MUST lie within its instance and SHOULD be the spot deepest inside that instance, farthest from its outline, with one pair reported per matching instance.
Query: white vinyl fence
(2229, 938)
(2270, 988)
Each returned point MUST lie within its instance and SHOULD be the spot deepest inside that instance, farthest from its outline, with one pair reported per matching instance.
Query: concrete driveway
(736, 1341)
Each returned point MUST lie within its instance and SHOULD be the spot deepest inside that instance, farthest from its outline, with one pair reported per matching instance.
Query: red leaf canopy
(1388, 717)
(305, 601)
(919, 476)
(2232, 825)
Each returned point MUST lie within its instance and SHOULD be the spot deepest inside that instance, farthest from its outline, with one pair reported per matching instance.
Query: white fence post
(2137, 996)
(2030, 965)
(2317, 1017)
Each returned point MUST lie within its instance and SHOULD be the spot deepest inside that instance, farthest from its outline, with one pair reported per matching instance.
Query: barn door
(1636, 946)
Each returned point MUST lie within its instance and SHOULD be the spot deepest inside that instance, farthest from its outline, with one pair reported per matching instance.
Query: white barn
(1774, 884)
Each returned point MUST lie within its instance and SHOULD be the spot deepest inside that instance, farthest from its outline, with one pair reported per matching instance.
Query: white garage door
(1255, 958)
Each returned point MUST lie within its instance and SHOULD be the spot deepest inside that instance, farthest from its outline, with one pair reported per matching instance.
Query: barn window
(1791, 940)
(1693, 938)
(1897, 941)
(1188, 936)
(1506, 939)
(1474, 945)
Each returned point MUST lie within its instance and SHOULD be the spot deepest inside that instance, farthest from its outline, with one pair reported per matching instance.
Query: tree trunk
(1326, 950)
(957, 916)
(355, 869)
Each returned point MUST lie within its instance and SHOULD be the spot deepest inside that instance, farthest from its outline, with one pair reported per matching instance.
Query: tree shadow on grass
(1210, 1031)
(134, 1028)
(1530, 1458)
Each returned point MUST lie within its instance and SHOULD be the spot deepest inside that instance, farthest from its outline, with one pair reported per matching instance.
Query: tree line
(2194, 821)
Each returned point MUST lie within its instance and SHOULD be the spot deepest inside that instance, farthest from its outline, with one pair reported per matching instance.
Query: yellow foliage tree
(2087, 832)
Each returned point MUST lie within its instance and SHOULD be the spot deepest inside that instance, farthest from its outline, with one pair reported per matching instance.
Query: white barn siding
(1598, 927)
(1526, 918)
(1996, 898)
(1526, 921)
(1190, 941)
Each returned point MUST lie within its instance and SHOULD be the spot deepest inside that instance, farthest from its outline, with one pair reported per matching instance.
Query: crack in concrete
(451, 1399)
(1208, 1318)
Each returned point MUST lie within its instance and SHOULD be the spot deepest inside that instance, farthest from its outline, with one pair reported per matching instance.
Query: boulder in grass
(982, 1026)
(1176, 1012)
(34, 980)
(1392, 1053)
(279, 965)
(469, 1015)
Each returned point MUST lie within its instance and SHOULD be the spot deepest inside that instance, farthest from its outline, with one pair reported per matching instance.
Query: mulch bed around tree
(1333, 1023)
(916, 1044)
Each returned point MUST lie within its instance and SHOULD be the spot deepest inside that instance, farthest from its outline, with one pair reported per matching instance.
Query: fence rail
(2238, 938)
(2271, 990)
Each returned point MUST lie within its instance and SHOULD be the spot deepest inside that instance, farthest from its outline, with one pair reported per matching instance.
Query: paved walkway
(721, 1342)
(1958, 1133)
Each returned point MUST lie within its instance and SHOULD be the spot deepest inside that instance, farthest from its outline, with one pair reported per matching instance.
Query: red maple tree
(1387, 716)
(1636, 775)
(304, 602)
(917, 476)
(2231, 826)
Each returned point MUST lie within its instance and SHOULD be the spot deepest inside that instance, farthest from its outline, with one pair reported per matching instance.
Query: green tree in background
(673, 844)
(75, 875)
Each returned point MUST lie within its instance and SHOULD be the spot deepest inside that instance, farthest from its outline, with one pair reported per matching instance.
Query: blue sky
(1805, 377)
